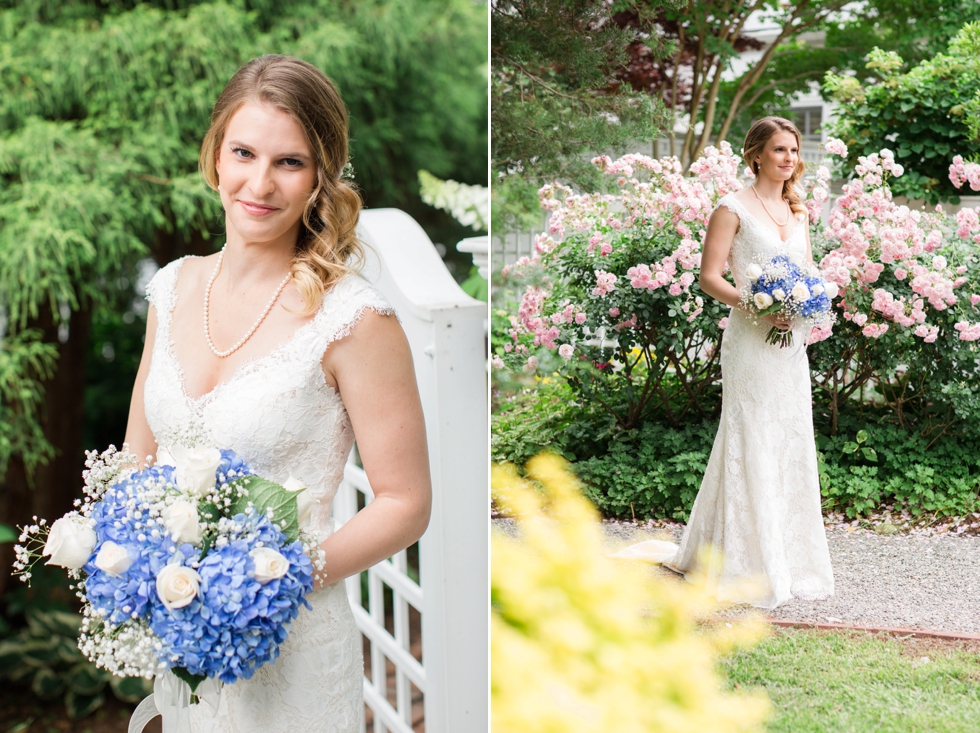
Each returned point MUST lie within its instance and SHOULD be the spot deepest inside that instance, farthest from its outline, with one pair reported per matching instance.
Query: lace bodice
(759, 243)
(276, 411)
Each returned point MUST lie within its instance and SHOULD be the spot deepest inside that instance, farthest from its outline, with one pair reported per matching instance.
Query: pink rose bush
(610, 298)
(909, 281)
(611, 289)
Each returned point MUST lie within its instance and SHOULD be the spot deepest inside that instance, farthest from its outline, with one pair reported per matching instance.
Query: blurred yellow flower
(581, 642)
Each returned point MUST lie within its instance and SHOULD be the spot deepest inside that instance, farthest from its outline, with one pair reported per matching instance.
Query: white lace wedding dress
(759, 501)
(278, 413)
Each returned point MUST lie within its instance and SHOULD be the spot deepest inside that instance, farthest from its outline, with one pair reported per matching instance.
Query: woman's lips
(257, 209)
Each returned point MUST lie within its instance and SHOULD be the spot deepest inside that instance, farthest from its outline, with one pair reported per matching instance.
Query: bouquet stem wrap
(171, 699)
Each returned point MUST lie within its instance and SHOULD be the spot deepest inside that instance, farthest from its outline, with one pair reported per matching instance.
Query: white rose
(196, 469)
(70, 542)
(762, 300)
(831, 290)
(817, 289)
(939, 263)
(113, 559)
(269, 564)
(180, 518)
(800, 292)
(304, 502)
(779, 294)
(177, 586)
(753, 272)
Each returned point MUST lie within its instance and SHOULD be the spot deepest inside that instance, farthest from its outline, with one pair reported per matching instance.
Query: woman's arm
(138, 433)
(717, 244)
(373, 370)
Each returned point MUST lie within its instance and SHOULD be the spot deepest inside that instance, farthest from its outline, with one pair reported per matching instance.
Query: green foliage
(267, 495)
(24, 361)
(7, 533)
(870, 463)
(476, 286)
(656, 470)
(653, 471)
(103, 108)
(46, 656)
(552, 100)
(920, 114)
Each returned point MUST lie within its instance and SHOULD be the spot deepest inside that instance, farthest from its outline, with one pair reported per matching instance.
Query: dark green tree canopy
(103, 105)
(926, 115)
(555, 100)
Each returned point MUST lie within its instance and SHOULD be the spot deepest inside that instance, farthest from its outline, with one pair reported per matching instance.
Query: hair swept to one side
(327, 247)
(755, 142)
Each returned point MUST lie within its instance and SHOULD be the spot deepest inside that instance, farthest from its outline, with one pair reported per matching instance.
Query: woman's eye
(242, 152)
(292, 162)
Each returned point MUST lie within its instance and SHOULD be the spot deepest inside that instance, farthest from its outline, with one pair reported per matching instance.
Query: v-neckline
(769, 229)
(239, 370)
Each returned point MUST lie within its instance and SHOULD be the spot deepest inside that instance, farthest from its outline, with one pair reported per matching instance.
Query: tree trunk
(53, 488)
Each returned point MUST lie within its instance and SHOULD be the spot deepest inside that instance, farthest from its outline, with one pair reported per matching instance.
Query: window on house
(808, 121)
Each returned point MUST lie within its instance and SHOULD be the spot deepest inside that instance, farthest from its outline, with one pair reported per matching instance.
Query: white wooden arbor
(445, 328)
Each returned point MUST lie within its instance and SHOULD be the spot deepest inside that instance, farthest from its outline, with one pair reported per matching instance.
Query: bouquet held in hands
(783, 287)
(197, 568)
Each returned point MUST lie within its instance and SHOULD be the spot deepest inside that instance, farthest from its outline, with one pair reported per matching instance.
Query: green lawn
(844, 682)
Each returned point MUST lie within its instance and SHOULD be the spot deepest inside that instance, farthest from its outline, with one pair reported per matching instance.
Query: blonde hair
(755, 142)
(327, 247)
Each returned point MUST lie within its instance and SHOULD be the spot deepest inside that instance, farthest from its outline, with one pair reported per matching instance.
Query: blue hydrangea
(131, 593)
(230, 461)
(236, 624)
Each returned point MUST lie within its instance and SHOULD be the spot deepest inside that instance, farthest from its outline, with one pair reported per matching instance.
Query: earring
(219, 186)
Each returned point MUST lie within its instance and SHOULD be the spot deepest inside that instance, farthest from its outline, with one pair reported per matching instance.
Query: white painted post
(445, 328)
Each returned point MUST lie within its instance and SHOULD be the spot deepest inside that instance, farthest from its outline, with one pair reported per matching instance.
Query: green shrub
(656, 470)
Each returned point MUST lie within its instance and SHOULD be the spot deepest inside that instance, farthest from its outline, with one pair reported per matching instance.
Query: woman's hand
(779, 320)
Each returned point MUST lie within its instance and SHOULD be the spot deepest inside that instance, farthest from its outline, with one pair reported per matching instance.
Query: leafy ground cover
(871, 469)
(856, 682)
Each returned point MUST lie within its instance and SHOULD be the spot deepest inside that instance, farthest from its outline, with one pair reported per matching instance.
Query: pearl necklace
(247, 336)
(780, 225)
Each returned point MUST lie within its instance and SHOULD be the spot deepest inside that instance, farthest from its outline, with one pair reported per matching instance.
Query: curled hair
(755, 142)
(327, 247)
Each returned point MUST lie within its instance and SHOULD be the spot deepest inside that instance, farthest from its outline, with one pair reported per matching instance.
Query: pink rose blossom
(565, 351)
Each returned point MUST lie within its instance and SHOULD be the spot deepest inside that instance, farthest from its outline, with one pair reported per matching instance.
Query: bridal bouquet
(783, 287)
(196, 567)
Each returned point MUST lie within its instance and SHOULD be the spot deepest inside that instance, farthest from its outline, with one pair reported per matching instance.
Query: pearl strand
(769, 212)
(247, 336)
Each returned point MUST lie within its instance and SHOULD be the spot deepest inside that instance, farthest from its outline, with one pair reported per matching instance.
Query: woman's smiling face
(780, 157)
(267, 172)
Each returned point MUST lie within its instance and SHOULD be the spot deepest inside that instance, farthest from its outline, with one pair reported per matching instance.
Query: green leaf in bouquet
(79, 706)
(86, 679)
(47, 684)
(130, 689)
(208, 511)
(266, 494)
(193, 680)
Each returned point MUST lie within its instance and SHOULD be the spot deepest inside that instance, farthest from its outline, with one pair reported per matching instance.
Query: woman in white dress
(277, 349)
(759, 501)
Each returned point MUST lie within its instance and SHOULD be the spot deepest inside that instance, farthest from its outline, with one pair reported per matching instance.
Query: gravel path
(901, 580)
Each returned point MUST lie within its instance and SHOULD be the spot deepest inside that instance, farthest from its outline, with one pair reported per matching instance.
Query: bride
(274, 347)
(759, 501)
